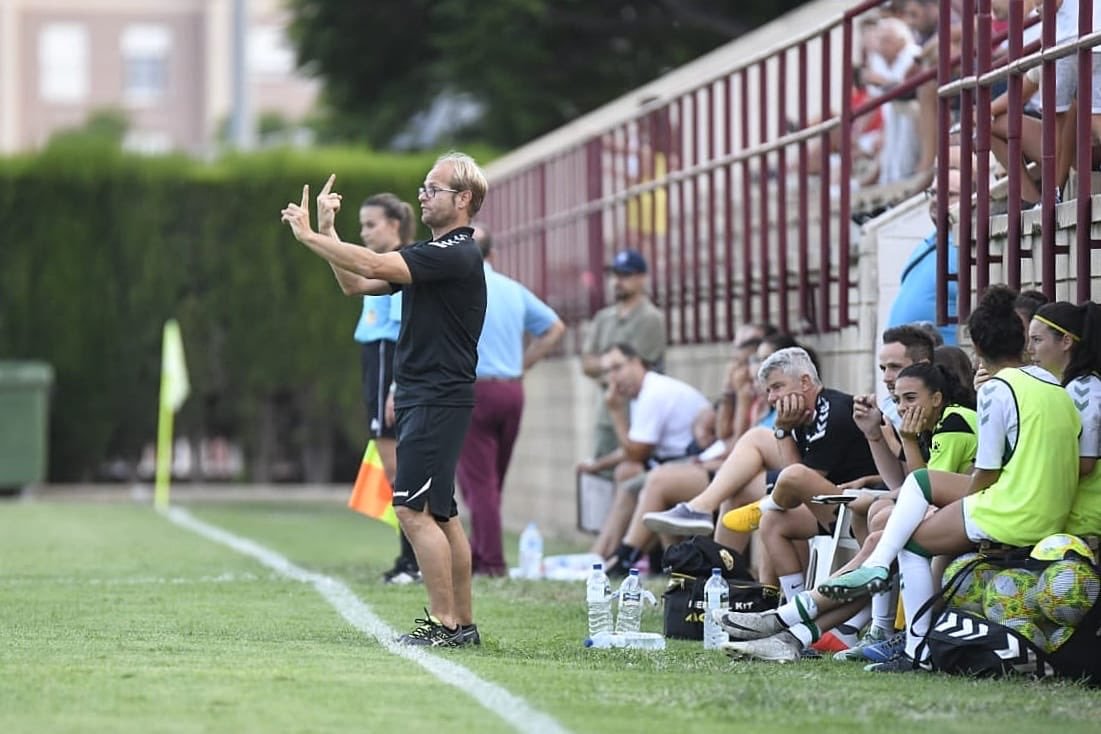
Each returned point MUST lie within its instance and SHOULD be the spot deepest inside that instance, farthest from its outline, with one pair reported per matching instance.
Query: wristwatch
(781, 433)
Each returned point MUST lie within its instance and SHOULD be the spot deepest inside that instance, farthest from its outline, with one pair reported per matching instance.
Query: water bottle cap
(716, 572)
(598, 566)
(634, 572)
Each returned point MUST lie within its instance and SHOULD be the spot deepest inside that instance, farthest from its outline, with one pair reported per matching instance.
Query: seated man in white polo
(653, 415)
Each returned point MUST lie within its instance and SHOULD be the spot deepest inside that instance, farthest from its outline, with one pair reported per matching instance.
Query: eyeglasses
(429, 192)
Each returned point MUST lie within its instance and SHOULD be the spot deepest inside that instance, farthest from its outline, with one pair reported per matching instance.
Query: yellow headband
(1058, 328)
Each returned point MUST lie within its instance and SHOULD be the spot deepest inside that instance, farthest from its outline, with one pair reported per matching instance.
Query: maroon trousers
(487, 450)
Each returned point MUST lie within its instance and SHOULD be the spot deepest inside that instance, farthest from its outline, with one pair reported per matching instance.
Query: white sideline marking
(499, 701)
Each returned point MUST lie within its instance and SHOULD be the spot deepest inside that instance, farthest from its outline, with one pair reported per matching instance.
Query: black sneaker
(402, 574)
(470, 635)
(615, 568)
(430, 632)
(901, 663)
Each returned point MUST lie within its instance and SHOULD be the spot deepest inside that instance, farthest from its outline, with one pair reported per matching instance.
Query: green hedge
(98, 249)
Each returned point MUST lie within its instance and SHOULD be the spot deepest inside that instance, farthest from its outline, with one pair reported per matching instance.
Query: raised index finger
(328, 185)
(306, 196)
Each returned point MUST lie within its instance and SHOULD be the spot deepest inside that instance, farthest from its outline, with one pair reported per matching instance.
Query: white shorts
(974, 532)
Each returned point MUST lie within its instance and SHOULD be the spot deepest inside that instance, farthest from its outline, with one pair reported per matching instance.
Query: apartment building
(167, 64)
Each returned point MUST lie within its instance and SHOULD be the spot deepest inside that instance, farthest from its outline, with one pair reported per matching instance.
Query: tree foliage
(531, 64)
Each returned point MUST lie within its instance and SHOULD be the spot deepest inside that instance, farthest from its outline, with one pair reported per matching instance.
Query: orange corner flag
(372, 493)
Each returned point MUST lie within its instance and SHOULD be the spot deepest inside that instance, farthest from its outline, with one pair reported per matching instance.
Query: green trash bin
(24, 422)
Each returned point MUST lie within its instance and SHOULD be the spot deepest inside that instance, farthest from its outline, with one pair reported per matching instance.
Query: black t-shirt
(832, 443)
(442, 312)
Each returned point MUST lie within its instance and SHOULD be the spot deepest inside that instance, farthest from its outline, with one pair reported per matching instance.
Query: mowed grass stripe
(263, 656)
(496, 699)
(335, 679)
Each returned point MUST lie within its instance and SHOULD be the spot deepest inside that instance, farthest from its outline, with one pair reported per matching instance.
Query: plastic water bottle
(716, 595)
(629, 612)
(633, 640)
(598, 596)
(531, 553)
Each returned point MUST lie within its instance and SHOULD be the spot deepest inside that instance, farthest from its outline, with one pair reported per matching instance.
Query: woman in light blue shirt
(386, 223)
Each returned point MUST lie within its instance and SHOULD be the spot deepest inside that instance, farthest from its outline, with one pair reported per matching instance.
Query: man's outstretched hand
(298, 216)
(328, 204)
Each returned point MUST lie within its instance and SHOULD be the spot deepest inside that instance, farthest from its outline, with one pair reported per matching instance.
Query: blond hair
(466, 175)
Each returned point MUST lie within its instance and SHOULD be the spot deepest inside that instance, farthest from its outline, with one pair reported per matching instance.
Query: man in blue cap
(634, 320)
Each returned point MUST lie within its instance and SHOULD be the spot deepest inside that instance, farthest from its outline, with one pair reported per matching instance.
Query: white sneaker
(783, 647)
(748, 625)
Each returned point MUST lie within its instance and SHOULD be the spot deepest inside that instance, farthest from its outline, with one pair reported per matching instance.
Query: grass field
(115, 619)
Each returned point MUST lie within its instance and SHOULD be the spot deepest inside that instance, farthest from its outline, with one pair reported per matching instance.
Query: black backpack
(689, 565)
(697, 555)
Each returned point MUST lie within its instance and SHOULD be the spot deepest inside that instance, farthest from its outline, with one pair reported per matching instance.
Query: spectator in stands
(1066, 340)
(941, 435)
(921, 16)
(633, 320)
(653, 417)
(512, 312)
(917, 293)
(886, 69)
(1016, 496)
(815, 445)
(1066, 90)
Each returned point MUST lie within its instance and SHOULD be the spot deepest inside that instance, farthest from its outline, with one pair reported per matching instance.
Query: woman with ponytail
(1066, 340)
(939, 427)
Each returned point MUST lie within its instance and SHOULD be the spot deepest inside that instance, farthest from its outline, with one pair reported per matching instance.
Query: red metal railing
(702, 186)
(977, 74)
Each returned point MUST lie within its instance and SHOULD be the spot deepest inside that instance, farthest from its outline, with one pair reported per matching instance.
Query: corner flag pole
(174, 390)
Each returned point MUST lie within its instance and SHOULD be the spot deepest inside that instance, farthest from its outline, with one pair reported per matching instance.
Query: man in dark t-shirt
(814, 441)
(442, 283)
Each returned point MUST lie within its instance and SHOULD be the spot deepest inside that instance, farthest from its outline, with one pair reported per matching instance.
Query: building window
(148, 142)
(269, 52)
(145, 49)
(63, 63)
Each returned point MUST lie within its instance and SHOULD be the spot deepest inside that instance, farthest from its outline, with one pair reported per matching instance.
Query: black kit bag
(964, 643)
(689, 565)
(1080, 656)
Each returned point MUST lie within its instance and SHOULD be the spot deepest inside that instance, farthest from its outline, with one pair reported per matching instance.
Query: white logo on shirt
(821, 418)
(455, 240)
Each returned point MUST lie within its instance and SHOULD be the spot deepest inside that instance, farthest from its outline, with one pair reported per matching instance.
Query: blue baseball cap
(628, 262)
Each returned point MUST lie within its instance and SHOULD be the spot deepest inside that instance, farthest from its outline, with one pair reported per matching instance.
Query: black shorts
(430, 438)
(378, 373)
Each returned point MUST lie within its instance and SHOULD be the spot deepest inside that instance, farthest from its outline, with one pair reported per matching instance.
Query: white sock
(907, 514)
(790, 614)
(858, 620)
(917, 588)
(767, 504)
(792, 584)
(850, 636)
(885, 609)
(805, 633)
